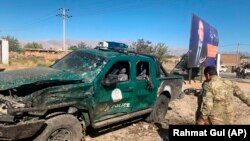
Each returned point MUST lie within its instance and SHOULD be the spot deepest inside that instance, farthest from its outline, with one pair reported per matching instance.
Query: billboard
(203, 44)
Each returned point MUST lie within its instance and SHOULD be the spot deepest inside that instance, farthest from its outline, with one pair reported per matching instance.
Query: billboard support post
(218, 64)
(201, 71)
(190, 75)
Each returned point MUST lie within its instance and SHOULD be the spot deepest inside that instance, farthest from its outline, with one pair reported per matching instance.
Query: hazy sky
(166, 21)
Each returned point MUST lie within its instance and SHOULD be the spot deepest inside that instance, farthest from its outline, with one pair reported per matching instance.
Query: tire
(61, 128)
(160, 110)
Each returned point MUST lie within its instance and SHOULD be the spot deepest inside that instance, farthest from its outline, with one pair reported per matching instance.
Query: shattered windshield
(85, 64)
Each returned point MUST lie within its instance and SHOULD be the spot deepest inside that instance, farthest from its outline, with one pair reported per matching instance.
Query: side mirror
(110, 80)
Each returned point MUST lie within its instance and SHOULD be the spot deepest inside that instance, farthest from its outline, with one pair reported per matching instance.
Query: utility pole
(238, 53)
(64, 15)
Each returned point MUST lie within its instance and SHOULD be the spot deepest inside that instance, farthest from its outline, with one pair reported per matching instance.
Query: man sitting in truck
(142, 75)
(122, 76)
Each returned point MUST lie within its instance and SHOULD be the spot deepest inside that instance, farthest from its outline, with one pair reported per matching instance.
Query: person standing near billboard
(217, 107)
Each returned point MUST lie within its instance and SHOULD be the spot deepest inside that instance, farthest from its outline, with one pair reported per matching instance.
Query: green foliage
(33, 45)
(81, 45)
(14, 44)
(244, 55)
(160, 50)
(142, 46)
(73, 47)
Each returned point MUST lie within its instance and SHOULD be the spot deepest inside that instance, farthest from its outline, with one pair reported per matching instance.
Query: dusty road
(181, 111)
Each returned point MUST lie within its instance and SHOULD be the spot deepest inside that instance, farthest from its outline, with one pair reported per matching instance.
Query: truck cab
(88, 87)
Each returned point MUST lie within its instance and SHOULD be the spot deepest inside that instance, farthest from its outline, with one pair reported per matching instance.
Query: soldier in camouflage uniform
(218, 99)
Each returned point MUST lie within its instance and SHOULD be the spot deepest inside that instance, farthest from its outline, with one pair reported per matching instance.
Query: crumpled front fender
(21, 130)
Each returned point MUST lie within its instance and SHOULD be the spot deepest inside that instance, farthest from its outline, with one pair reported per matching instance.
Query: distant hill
(178, 51)
(57, 45)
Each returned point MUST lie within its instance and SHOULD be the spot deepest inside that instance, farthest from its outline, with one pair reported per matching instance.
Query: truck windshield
(85, 64)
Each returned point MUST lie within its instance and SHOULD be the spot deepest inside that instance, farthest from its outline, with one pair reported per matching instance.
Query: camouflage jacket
(218, 101)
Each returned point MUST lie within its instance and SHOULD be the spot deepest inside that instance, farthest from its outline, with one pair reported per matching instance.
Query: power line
(98, 11)
(235, 44)
(27, 26)
(245, 44)
(43, 18)
(226, 45)
(64, 15)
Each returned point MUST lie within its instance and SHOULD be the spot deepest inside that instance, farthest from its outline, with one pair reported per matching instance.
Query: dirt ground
(181, 112)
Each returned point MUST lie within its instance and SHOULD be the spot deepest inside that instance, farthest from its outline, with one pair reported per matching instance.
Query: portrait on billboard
(203, 44)
(197, 46)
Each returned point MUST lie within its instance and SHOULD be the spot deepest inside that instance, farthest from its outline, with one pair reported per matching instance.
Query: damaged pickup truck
(89, 87)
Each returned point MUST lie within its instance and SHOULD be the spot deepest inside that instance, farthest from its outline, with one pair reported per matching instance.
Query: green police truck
(88, 87)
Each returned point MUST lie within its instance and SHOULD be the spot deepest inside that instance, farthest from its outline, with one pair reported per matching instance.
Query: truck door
(114, 99)
(144, 96)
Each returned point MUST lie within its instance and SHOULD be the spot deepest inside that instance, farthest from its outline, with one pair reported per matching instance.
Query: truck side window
(121, 70)
(142, 70)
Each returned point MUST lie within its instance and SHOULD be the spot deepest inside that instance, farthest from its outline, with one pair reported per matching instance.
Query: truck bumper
(21, 130)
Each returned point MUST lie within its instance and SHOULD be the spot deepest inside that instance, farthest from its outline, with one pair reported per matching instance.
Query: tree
(142, 46)
(14, 44)
(244, 55)
(81, 45)
(160, 51)
(73, 47)
(33, 45)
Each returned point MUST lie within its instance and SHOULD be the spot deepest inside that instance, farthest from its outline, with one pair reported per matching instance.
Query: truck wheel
(62, 128)
(160, 110)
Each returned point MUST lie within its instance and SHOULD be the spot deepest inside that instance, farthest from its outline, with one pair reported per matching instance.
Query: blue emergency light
(116, 45)
(112, 45)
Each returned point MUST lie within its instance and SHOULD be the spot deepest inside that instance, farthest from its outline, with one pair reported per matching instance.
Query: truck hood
(17, 78)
